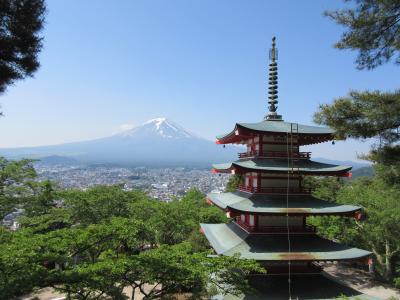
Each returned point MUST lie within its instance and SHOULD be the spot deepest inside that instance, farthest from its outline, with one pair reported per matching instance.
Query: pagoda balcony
(308, 229)
(274, 154)
(274, 190)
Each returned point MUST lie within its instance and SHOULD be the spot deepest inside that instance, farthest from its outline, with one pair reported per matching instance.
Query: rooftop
(304, 166)
(307, 133)
(229, 239)
(276, 204)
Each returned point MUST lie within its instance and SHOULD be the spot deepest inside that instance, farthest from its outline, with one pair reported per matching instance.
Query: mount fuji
(156, 143)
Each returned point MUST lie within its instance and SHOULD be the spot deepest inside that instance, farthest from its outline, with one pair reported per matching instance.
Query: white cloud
(124, 127)
(127, 126)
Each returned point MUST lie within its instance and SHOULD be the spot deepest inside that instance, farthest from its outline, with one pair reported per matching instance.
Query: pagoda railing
(276, 229)
(274, 190)
(274, 154)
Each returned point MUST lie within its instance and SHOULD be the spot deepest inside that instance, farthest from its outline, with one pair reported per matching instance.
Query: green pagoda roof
(281, 165)
(277, 127)
(281, 127)
(228, 239)
(276, 204)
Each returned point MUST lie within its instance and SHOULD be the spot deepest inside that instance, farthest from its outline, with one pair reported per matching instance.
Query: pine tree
(20, 42)
(373, 28)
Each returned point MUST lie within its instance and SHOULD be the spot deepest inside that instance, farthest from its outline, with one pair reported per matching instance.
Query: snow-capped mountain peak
(161, 127)
(156, 121)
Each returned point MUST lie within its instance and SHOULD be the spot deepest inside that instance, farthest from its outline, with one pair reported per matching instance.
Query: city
(164, 184)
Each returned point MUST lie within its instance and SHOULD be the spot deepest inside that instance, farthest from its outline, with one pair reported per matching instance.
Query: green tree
(325, 188)
(100, 203)
(373, 28)
(22, 264)
(175, 269)
(364, 115)
(379, 231)
(20, 40)
(42, 200)
(53, 219)
(178, 220)
(16, 183)
(233, 183)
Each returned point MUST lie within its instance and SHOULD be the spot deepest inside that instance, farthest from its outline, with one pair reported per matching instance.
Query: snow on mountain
(159, 126)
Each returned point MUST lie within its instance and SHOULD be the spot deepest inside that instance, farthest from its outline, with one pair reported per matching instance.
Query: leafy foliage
(325, 188)
(373, 28)
(16, 183)
(105, 239)
(378, 231)
(99, 204)
(364, 115)
(233, 183)
(20, 42)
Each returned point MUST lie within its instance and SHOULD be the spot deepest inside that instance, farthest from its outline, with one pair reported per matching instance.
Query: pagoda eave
(275, 204)
(307, 134)
(230, 239)
(306, 167)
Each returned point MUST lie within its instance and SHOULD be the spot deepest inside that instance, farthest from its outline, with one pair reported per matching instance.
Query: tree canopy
(369, 115)
(377, 232)
(16, 183)
(373, 28)
(20, 42)
(364, 115)
(103, 240)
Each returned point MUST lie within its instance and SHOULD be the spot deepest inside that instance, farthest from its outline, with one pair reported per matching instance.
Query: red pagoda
(268, 211)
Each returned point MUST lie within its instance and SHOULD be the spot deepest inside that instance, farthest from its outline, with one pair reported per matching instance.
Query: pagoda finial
(273, 85)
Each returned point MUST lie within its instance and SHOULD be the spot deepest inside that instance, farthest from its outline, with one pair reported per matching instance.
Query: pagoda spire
(273, 85)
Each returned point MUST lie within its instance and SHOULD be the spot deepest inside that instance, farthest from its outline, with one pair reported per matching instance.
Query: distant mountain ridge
(57, 160)
(157, 142)
(363, 172)
(355, 165)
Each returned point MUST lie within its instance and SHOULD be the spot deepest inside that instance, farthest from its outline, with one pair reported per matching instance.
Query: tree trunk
(379, 260)
(133, 293)
(388, 275)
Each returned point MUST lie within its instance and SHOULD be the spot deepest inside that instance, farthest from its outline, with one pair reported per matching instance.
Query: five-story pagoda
(269, 209)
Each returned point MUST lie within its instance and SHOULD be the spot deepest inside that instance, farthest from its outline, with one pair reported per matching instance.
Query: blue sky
(203, 64)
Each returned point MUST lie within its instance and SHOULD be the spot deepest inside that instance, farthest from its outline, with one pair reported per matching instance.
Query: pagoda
(268, 211)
